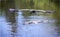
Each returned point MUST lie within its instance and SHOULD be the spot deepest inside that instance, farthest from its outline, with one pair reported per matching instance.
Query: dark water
(19, 26)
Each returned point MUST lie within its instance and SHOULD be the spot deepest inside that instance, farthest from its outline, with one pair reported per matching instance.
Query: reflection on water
(27, 26)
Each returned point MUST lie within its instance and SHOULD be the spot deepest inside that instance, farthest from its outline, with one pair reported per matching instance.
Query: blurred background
(16, 24)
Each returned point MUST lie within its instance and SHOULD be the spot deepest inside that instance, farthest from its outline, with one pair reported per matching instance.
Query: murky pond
(28, 26)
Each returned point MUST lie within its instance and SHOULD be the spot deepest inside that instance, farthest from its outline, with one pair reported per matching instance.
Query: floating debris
(38, 21)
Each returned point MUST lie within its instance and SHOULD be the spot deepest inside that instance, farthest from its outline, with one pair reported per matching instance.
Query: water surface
(18, 27)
